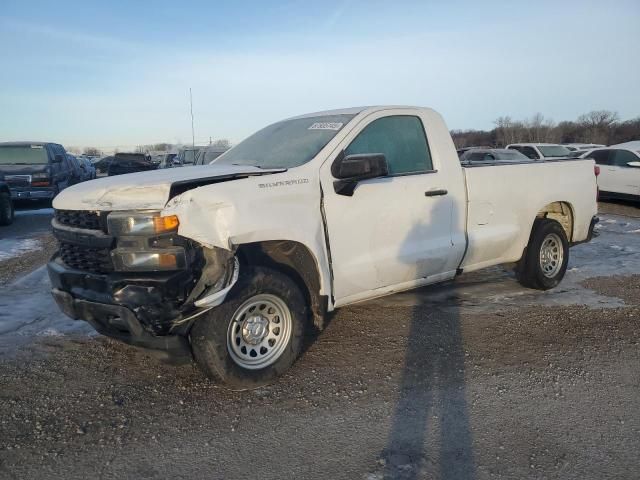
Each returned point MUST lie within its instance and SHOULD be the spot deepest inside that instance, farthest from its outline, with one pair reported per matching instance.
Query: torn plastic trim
(213, 299)
(184, 320)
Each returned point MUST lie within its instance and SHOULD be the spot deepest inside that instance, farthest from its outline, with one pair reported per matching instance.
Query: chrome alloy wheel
(551, 255)
(259, 331)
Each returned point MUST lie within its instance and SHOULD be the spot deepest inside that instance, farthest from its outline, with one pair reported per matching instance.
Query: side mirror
(634, 164)
(57, 158)
(352, 169)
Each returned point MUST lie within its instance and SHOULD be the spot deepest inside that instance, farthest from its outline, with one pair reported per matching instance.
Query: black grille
(97, 260)
(79, 219)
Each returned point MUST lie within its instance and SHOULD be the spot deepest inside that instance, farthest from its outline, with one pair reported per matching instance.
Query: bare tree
(161, 147)
(597, 125)
(222, 143)
(92, 151)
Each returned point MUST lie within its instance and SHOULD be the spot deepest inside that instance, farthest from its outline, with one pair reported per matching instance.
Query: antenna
(193, 135)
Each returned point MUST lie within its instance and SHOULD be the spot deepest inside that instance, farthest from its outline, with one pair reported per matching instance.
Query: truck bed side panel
(504, 200)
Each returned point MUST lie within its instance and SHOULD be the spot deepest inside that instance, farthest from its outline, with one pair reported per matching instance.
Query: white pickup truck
(233, 262)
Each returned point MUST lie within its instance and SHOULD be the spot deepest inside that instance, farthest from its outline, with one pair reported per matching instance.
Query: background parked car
(619, 171)
(76, 165)
(167, 160)
(88, 170)
(541, 151)
(209, 154)
(187, 156)
(129, 163)
(575, 147)
(477, 155)
(462, 150)
(36, 170)
(7, 212)
(102, 165)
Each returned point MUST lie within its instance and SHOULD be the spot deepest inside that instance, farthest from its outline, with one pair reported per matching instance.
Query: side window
(600, 156)
(530, 152)
(622, 157)
(400, 138)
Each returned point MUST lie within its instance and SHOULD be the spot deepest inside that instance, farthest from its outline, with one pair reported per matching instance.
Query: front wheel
(544, 262)
(256, 334)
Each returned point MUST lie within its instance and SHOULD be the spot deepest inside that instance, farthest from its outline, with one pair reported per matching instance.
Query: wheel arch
(295, 260)
(562, 212)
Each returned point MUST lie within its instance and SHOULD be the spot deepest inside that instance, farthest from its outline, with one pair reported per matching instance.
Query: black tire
(7, 212)
(209, 333)
(529, 270)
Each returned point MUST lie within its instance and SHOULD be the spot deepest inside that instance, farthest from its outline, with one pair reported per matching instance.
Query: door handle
(435, 193)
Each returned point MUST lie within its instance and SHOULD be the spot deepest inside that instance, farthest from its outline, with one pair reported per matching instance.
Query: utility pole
(193, 134)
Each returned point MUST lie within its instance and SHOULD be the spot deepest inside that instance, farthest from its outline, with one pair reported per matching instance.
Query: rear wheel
(544, 262)
(7, 213)
(256, 334)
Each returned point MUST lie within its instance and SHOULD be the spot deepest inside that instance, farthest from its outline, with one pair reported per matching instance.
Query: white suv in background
(541, 151)
(619, 171)
(575, 147)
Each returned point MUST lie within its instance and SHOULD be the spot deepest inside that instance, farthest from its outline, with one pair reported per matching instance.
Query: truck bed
(504, 198)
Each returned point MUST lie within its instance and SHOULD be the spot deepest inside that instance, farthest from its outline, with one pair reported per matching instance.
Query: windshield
(23, 155)
(554, 150)
(510, 155)
(286, 144)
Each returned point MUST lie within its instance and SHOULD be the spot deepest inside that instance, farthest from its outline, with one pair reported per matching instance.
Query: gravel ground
(400, 392)
(437, 384)
(620, 207)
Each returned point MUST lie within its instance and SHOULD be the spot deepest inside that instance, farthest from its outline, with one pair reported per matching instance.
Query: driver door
(394, 232)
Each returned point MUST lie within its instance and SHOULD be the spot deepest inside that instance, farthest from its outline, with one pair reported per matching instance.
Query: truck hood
(148, 190)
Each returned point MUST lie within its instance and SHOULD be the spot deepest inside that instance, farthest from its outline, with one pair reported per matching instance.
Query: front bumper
(33, 193)
(140, 309)
(120, 323)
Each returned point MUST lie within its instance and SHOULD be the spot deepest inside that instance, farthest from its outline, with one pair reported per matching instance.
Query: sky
(117, 74)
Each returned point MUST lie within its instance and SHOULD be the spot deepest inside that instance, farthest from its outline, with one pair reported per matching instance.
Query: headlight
(132, 261)
(140, 223)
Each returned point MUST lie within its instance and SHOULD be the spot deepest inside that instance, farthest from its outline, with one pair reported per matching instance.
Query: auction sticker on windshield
(326, 126)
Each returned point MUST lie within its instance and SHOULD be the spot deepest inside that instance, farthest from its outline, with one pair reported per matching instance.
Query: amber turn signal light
(165, 224)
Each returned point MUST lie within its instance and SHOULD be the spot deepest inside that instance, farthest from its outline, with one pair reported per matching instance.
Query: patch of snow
(633, 231)
(27, 311)
(11, 247)
(41, 211)
(50, 332)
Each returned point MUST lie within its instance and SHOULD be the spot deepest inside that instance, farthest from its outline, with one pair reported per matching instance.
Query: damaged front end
(132, 277)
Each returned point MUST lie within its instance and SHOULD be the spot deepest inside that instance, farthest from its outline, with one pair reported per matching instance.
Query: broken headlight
(140, 223)
(125, 260)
